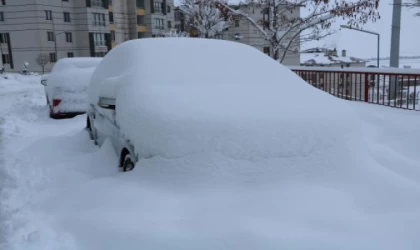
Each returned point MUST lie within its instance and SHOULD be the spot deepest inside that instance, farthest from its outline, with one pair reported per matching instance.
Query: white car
(67, 84)
(172, 97)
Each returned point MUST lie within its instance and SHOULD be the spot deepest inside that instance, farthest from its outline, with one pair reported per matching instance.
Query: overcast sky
(365, 45)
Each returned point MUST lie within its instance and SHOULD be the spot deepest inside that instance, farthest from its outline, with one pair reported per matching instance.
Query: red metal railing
(399, 88)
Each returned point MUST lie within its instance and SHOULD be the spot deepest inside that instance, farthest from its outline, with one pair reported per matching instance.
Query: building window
(98, 3)
(67, 17)
(3, 2)
(236, 23)
(99, 39)
(69, 37)
(50, 36)
(70, 54)
(140, 20)
(219, 36)
(53, 57)
(159, 24)
(48, 15)
(98, 19)
(168, 9)
(178, 27)
(1, 16)
(169, 25)
(177, 15)
(111, 17)
(140, 4)
(65, 0)
(267, 50)
(3, 38)
(112, 35)
(158, 6)
(5, 58)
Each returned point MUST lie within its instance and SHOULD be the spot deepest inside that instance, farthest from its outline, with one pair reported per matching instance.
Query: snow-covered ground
(59, 191)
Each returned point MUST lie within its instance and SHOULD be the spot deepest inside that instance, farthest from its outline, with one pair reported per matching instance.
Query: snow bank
(59, 191)
(69, 81)
(179, 99)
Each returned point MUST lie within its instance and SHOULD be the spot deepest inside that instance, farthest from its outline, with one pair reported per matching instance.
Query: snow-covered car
(67, 85)
(173, 97)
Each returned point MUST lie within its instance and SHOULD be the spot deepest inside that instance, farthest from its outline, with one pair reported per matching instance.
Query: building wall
(26, 22)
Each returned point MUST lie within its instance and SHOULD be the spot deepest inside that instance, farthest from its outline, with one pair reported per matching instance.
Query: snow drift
(346, 178)
(69, 81)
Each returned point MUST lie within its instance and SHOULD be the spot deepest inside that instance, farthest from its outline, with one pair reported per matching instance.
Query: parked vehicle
(170, 97)
(67, 84)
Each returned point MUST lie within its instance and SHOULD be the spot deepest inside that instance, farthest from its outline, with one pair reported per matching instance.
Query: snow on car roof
(181, 96)
(72, 73)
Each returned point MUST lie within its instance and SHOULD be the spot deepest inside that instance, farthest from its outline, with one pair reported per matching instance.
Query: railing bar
(408, 91)
(383, 90)
(414, 97)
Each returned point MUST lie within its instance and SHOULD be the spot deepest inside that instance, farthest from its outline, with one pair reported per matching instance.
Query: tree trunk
(43, 71)
(276, 54)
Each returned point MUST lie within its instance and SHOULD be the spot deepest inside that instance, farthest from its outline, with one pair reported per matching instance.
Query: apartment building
(241, 30)
(132, 19)
(75, 28)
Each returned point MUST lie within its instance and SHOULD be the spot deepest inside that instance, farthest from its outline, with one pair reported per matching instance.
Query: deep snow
(59, 191)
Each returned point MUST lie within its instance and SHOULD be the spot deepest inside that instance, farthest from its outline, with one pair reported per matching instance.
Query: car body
(169, 97)
(67, 84)
(44, 79)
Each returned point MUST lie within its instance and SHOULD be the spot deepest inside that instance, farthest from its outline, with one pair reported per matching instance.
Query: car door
(107, 127)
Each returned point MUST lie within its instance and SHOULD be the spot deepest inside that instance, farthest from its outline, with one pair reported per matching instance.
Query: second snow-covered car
(67, 85)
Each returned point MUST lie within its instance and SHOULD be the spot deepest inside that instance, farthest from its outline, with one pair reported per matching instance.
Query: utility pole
(395, 45)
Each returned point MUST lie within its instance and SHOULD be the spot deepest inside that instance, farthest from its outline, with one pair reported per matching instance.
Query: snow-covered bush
(24, 69)
(176, 33)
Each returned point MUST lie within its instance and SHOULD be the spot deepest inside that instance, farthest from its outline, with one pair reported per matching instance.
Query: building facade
(75, 28)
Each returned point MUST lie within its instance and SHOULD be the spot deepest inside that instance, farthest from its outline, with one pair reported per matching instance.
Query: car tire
(127, 164)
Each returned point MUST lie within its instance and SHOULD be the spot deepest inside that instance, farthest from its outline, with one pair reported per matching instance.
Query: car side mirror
(106, 103)
(44, 82)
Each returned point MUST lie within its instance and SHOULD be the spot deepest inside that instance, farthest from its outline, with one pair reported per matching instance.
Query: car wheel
(128, 163)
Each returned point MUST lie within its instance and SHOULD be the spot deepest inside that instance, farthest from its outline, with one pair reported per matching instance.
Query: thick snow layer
(248, 112)
(361, 191)
(69, 82)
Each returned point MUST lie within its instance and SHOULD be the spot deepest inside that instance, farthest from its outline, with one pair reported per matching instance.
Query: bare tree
(284, 30)
(42, 60)
(412, 4)
(206, 16)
